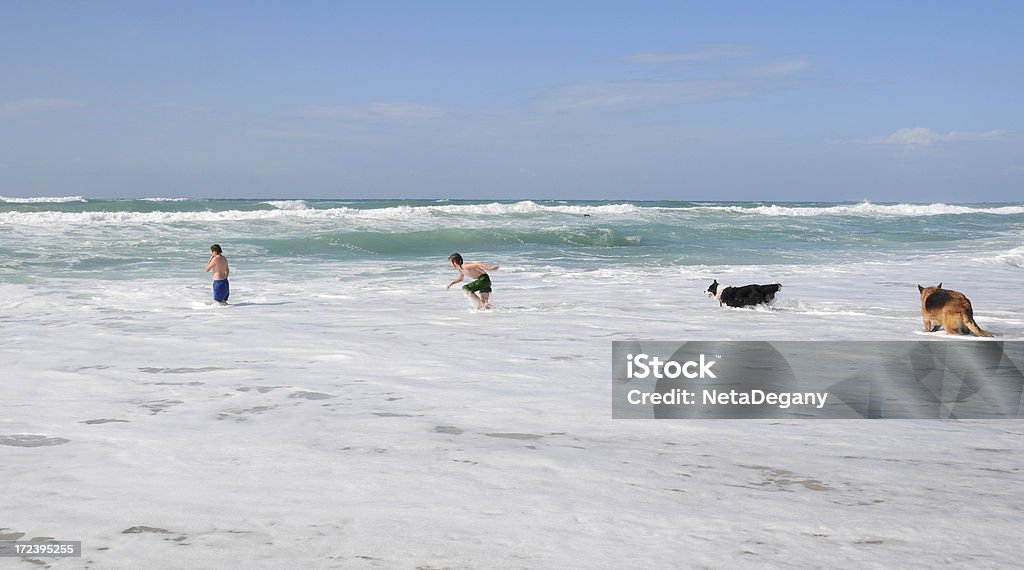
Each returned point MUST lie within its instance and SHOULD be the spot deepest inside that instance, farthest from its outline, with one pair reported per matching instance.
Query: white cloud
(283, 134)
(701, 54)
(613, 95)
(920, 136)
(636, 93)
(382, 111)
(778, 69)
(620, 95)
(184, 107)
(37, 105)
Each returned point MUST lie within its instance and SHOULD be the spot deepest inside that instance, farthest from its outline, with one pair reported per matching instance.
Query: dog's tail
(973, 326)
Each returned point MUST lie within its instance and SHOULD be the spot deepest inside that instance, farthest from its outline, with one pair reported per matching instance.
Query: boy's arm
(459, 278)
(209, 264)
(491, 267)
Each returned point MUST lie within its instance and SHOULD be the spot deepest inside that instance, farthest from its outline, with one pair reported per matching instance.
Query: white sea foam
(289, 204)
(1013, 258)
(323, 401)
(868, 209)
(530, 207)
(42, 200)
(159, 199)
(301, 210)
(50, 218)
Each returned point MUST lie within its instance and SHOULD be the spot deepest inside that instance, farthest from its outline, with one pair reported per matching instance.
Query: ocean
(345, 410)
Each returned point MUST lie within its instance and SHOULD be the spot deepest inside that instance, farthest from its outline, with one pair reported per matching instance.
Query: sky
(675, 100)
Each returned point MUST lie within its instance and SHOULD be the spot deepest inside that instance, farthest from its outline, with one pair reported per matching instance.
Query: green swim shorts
(481, 284)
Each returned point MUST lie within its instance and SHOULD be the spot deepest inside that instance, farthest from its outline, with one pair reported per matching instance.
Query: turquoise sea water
(101, 237)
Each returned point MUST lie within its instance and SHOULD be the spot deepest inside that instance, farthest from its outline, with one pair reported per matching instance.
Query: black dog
(743, 296)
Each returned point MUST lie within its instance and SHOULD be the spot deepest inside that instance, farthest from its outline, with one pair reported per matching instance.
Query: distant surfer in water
(219, 265)
(481, 282)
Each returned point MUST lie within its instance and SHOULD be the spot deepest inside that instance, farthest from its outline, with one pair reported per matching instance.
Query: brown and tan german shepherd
(948, 309)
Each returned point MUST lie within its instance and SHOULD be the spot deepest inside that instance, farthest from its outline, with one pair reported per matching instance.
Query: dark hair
(215, 248)
(456, 258)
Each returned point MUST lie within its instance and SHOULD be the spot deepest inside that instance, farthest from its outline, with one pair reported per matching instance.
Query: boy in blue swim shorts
(219, 265)
(481, 282)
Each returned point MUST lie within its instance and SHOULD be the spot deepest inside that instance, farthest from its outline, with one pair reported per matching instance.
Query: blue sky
(828, 100)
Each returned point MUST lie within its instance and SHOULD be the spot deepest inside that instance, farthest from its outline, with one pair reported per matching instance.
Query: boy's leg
(477, 300)
(485, 299)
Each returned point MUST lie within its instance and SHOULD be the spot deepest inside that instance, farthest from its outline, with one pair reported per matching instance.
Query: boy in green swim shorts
(481, 282)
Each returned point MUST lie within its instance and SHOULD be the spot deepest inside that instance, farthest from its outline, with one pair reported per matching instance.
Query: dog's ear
(940, 286)
(920, 289)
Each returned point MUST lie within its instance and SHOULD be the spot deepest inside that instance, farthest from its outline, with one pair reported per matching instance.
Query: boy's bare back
(475, 269)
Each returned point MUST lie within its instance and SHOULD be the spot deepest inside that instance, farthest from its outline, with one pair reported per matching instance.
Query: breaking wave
(289, 204)
(682, 215)
(1013, 258)
(300, 209)
(42, 200)
(868, 209)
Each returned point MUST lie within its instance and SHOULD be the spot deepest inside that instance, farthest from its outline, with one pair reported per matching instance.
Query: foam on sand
(344, 402)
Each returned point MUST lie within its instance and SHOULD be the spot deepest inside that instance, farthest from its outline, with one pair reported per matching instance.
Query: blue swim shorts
(221, 290)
